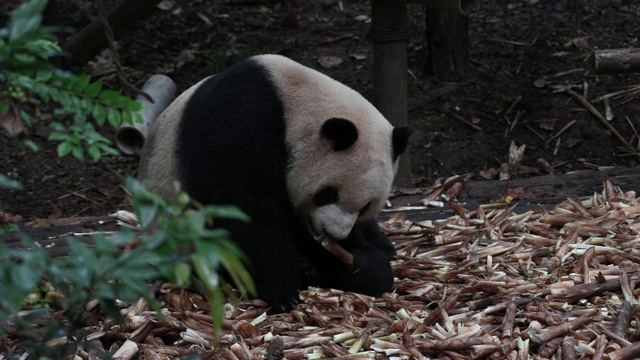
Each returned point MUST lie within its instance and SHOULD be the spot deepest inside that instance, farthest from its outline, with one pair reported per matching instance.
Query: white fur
(158, 164)
(364, 172)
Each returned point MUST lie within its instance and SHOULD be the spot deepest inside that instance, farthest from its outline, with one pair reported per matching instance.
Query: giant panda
(305, 156)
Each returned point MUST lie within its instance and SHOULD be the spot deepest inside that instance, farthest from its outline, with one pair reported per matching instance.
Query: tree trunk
(447, 44)
(389, 34)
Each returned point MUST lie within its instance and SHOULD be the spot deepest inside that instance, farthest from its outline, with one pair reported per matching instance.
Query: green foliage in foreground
(30, 84)
(172, 237)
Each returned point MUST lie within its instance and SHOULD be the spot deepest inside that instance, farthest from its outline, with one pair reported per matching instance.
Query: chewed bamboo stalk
(564, 328)
(488, 283)
(127, 351)
(338, 251)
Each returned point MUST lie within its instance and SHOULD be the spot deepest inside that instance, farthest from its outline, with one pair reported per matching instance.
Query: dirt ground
(523, 55)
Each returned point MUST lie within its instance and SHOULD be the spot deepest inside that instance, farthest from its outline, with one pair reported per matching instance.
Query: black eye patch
(364, 209)
(326, 196)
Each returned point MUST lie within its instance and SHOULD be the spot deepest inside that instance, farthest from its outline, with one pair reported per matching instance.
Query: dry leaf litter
(552, 283)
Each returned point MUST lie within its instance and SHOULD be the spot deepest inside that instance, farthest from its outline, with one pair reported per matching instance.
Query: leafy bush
(172, 235)
(28, 81)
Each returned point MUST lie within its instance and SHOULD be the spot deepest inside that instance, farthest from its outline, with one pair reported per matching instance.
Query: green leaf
(86, 105)
(44, 93)
(94, 152)
(30, 144)
(138, 285)
(25, 277)
(228, 212)
(57, 126)
(182, 273)
(77, 152)
(108, 149)
(57, 136)
(99, 113)
(146, 213)
(113, 311)
(26, 19)
(64, 148)
(93, 89)
(7, 183)
(108, 96)
(206, 272)
(114, 118)
(127, 117)
(25, 59)
(80, 250)
(105, 291)
(238, 272)
(82, 82)
(132, 106)
(43, 75)
(217, 310)
(26, 117)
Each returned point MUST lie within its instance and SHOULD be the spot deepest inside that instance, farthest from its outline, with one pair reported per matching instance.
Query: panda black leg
(270, 247)
(372, 252)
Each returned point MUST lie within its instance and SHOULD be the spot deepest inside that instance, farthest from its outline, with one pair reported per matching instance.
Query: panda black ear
(343, 133)
(399, 139)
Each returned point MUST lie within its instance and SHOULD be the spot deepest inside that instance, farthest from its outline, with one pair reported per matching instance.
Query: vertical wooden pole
(389, 34)
(447, 44)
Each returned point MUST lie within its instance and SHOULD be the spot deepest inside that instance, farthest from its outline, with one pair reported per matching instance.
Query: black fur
(232, 150)
(399, 140)
(341, 132)
(372, 252)
(326, 196)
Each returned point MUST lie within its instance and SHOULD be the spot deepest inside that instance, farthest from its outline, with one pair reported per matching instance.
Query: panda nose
(338, 235)
(341, 229)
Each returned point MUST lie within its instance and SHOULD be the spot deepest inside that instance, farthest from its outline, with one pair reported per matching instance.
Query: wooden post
(447, 44)
(389, 34)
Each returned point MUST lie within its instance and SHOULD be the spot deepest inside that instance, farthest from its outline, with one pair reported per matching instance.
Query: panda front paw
(282, 304)
(371, 273)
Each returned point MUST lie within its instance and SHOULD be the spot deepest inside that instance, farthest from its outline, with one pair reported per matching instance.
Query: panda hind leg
(268, 243)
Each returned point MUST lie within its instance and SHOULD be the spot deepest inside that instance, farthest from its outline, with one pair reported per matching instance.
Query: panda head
(343, 154)
(355, 188)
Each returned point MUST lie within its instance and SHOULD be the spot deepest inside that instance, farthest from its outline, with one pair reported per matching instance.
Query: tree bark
(447, 44)
(616, 61)
(389, 34)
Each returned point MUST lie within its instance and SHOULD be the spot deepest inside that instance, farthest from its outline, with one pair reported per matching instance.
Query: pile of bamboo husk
(552, 283)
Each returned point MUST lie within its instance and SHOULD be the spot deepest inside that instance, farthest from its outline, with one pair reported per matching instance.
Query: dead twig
(111, 42)
(564, 128)
(466, 122)
(601, 118)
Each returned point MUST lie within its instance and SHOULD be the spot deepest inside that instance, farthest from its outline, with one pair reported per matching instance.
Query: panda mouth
(317, 235)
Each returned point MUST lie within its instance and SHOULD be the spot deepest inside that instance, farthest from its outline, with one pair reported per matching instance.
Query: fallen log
(83, 46)
(616, 61)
